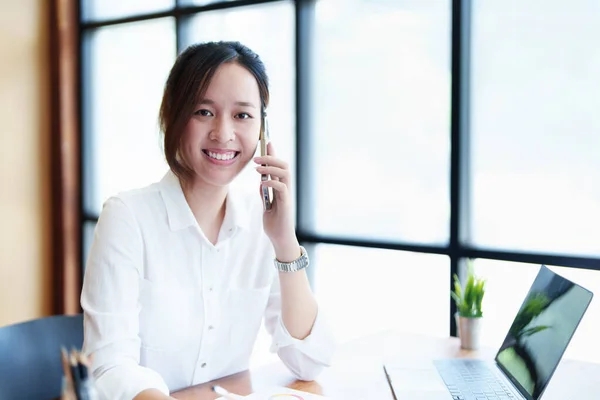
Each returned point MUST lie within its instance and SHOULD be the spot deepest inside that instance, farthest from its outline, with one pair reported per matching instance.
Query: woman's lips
(221, 157)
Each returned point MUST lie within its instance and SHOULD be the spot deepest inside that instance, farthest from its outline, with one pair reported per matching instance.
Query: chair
(30, 361)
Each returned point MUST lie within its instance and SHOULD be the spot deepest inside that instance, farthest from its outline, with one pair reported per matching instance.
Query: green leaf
(457, 287)
(479, 292)
(469, 297)
(456, 298)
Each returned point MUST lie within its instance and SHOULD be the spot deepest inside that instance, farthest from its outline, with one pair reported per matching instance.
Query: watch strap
(296, 265)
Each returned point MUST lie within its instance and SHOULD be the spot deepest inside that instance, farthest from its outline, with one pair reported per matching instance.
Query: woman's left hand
(278, 221)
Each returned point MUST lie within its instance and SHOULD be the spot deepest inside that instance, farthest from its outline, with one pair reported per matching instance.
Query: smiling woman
(181, 273)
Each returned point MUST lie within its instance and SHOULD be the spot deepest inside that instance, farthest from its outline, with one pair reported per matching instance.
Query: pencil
(68, 388)
(225, 393)
(65, 363)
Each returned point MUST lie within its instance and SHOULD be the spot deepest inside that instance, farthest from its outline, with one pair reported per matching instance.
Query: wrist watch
(296, 265)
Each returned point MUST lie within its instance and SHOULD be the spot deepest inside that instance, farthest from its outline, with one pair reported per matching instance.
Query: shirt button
(203, 365)
(210, 327)
(210, 289)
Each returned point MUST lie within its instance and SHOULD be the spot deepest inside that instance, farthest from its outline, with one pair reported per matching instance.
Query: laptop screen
(541, 331)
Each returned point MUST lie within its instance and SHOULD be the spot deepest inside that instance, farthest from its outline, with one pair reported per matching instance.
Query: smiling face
(221, 136)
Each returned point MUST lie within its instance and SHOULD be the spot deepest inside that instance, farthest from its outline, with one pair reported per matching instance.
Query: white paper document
(282, 393)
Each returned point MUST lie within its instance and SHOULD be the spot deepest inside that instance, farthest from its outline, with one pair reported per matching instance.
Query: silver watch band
(296, 265)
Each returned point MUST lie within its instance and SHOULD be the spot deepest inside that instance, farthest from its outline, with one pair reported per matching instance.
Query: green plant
(468, 298)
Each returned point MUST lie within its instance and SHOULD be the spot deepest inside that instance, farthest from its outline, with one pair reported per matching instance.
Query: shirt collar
(180, 215)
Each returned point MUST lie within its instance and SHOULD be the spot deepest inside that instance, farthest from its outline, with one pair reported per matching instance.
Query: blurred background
(422, 133)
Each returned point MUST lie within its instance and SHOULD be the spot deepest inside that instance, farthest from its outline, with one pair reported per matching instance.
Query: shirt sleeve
(110, 302)
(305, 358)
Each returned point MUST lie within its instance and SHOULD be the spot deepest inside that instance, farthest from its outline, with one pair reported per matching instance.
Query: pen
(225, 394)
(68, 390)
(75, 374)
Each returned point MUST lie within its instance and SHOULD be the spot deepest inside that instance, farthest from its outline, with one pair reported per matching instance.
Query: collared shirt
(164, 308)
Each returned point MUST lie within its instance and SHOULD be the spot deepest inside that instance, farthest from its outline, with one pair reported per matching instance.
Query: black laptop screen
(541, 331)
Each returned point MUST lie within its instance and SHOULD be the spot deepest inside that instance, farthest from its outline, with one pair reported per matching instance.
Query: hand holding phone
(267, 192)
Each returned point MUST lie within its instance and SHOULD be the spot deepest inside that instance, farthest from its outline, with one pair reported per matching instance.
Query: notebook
(526, 360)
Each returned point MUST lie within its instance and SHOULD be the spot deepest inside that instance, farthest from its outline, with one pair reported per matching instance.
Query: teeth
(221, 156)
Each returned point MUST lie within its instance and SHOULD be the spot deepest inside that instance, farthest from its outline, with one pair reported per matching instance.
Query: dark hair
(187, 83)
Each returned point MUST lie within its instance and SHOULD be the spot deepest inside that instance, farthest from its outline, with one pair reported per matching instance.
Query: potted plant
(468, 299)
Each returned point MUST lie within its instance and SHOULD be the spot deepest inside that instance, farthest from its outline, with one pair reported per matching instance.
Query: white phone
(267, 192)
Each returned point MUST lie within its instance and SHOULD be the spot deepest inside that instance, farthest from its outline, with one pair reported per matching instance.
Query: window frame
(69, 246)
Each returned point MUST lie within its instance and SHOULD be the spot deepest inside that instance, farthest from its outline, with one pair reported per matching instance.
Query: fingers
(275, 172)
(279, 187)
(272, 161)
(271, 158)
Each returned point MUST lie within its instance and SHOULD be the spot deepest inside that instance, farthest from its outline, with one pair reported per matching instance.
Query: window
(428, 132)
(106, 9)
(381, 109)
(125, 69)
(201, 2)
(534, 141)
(535, 134)
(364, 291)
(87, 239)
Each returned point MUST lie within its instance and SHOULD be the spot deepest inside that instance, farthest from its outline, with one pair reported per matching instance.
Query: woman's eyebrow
(237, 103)
(245, 104)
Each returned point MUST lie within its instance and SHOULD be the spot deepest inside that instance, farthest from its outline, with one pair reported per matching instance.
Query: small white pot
(468, 331)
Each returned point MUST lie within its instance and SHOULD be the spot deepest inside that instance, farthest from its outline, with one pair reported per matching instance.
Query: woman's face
(221, 136)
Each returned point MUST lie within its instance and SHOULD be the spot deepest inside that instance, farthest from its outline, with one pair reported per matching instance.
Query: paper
(282, 393)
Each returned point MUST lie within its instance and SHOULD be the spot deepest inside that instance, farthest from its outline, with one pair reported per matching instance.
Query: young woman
(182, 272)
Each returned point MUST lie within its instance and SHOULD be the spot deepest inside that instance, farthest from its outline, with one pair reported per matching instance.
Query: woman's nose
(222, 131)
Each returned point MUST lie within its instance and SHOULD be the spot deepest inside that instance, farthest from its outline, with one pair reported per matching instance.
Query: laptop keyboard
(472, 380)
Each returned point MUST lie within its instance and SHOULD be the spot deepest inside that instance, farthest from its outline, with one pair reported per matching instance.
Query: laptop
(526, 360)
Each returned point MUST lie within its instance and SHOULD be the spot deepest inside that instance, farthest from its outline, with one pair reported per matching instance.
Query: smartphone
(267, 192)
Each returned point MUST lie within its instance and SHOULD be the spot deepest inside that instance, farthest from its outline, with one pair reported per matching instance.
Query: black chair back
(30, 359)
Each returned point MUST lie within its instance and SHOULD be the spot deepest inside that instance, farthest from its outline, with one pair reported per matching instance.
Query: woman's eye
(203, 113)
(243, 116)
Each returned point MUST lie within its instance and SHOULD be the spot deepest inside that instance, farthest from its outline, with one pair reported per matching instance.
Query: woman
(181, 273)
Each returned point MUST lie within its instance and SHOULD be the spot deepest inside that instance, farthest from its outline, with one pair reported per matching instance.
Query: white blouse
(164, 308)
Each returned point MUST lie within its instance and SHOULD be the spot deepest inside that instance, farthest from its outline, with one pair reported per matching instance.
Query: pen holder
(469, 331)
(77, 382)
(85, 390)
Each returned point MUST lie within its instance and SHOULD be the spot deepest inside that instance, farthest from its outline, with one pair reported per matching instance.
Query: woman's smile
(221, 156)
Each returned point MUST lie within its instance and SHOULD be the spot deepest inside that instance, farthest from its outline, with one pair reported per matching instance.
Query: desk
(357, 371)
